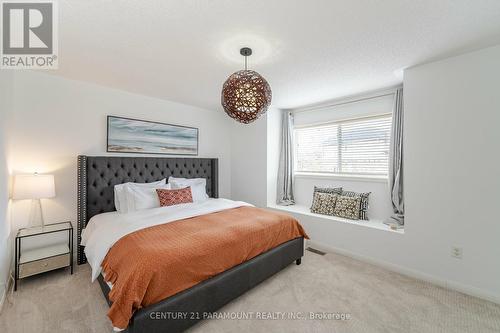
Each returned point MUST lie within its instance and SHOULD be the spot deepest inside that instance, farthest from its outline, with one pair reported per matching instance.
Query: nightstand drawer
(43, 265)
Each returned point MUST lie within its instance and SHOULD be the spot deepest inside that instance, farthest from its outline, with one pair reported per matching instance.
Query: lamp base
(36, 214)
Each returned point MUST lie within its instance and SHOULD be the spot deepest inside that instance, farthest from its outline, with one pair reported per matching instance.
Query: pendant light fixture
(246, 95)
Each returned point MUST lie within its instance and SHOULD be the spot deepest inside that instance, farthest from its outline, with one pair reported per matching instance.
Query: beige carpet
(377, 300)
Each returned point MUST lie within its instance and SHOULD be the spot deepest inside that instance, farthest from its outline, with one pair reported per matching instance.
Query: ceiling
(309, 51)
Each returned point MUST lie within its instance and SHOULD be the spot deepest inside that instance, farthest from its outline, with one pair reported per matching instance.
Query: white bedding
(104, 230)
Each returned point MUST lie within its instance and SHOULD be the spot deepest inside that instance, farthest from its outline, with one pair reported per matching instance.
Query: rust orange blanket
(152, 264)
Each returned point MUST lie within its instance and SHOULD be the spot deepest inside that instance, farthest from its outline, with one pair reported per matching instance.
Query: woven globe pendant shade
(246, 95)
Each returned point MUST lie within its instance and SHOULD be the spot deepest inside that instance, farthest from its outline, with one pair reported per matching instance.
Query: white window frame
(343, 176)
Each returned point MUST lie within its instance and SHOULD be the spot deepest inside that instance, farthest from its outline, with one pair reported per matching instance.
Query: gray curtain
(396, 160)
(285, 169)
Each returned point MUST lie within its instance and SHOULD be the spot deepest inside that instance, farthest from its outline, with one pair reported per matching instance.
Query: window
(351, 147)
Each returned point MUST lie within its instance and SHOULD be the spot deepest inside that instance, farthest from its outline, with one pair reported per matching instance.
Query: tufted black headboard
(97, 176)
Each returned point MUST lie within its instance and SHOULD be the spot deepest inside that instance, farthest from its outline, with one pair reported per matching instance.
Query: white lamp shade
(33, 187)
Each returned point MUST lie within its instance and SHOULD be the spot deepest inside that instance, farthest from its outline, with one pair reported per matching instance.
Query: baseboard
(453, 285)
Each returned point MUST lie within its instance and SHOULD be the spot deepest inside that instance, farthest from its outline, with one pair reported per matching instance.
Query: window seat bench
(304, 210)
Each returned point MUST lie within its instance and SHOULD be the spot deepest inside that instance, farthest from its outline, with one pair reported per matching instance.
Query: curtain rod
(343, 103)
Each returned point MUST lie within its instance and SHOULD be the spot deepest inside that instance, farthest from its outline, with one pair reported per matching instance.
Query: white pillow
(120, 194)
(187, 180)
(139, 198)
(198, 187)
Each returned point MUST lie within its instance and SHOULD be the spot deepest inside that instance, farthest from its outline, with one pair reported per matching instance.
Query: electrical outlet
(457, 252)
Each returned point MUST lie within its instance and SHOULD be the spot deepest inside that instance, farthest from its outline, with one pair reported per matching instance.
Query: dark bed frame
(97, 176)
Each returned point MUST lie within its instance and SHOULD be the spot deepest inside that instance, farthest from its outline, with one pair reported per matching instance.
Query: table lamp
(34, 187)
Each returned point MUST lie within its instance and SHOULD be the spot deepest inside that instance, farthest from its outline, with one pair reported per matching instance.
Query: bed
(97, 176)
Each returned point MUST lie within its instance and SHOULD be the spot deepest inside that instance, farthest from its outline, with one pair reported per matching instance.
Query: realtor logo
(29, 35)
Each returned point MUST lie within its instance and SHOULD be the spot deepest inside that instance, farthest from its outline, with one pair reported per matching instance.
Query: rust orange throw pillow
(174, 197)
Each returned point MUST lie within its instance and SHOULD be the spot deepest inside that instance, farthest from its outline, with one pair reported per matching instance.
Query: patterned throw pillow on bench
(363, 202)
(321, 205)
(347, 207)
(333, 190)
(324, 203)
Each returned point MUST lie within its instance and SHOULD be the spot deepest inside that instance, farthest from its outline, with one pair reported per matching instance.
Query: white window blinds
(352, 147)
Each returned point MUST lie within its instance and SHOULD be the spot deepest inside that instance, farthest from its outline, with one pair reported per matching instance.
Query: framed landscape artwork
(127, 135)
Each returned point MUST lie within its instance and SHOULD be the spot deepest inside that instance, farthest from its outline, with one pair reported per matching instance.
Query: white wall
(254, 159)
(274, 118)
(452, 157)
(6, 80)
(55, 119)
(248, 161)
(452, 154)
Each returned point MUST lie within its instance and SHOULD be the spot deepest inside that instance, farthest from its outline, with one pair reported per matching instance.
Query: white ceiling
(309, 51)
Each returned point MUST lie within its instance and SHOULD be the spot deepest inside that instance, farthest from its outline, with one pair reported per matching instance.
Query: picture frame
(129, 135)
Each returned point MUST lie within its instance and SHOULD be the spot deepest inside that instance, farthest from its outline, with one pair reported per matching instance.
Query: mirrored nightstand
(43, 259)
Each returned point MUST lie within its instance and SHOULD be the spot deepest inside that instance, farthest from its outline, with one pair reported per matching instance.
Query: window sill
(377, 179)
(304, 210)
